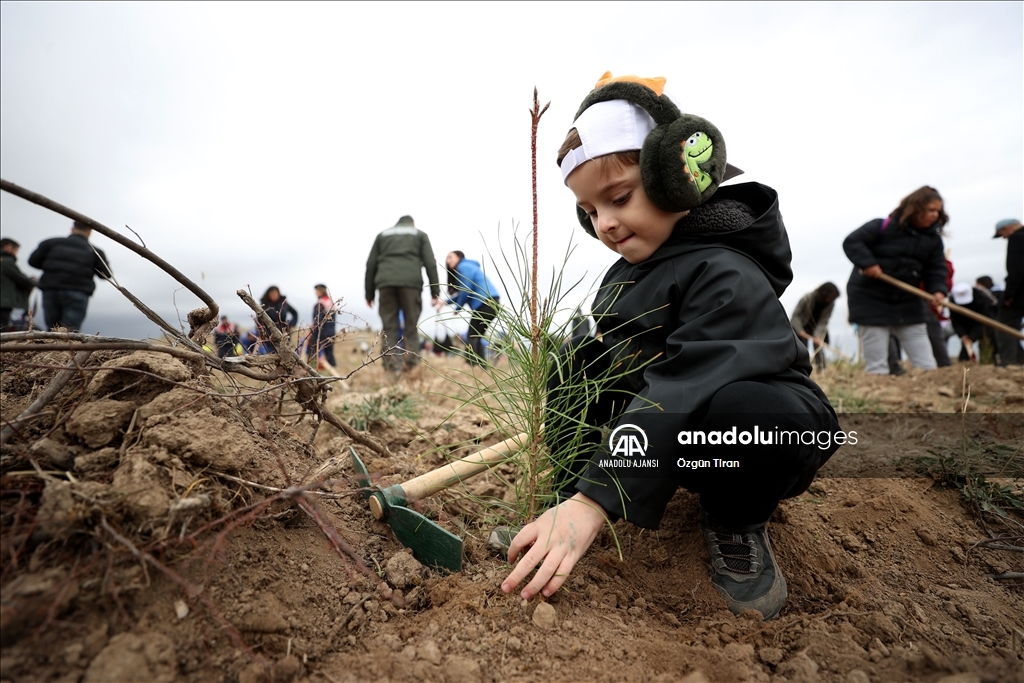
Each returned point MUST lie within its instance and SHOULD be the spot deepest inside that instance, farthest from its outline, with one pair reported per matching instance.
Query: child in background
(690, 319)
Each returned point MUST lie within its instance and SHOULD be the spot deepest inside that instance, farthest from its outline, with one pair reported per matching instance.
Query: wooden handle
(454, 472)
(984, 320)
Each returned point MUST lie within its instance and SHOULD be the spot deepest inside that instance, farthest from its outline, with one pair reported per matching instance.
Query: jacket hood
(745, 218)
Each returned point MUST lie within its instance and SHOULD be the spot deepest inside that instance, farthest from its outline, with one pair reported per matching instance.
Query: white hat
(963, 294)
(605, 128)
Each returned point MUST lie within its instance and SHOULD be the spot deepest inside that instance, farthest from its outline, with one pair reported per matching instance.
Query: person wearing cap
(691, 340)
(397, 257)
(69, 265)
(968, 329)
(15, 286)
(321, 339)
(907, 245)
(1011, 303)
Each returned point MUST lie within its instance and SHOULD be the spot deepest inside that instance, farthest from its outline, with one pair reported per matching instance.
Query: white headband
(605, 128)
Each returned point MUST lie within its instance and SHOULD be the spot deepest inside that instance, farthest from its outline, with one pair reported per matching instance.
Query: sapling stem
(537, 381)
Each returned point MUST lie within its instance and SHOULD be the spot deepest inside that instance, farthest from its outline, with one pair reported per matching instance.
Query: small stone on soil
(926, 536)
(770, 655)
(545, 617)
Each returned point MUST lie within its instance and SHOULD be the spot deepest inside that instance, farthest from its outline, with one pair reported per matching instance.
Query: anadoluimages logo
(628, 440)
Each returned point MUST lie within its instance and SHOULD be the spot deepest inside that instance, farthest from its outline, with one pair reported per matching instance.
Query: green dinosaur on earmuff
(696, 150)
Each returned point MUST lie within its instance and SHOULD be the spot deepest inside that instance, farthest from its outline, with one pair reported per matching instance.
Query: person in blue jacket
(469, 287)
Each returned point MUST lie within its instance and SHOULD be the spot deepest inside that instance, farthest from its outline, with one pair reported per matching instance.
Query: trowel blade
(362, 475)
(432, 545)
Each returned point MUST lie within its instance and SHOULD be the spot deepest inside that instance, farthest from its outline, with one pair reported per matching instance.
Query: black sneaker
(744, 571)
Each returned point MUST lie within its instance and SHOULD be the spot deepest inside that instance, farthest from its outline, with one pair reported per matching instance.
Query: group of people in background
(69, 267)
(907, 245)
(319, 342)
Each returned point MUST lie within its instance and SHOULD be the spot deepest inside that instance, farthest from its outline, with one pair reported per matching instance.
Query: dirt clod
(97, 423)
(130, 657)
(926, 536)
(545, 617)
(404, 571)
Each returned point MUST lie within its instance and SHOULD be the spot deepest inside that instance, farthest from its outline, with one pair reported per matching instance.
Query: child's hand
(558, 538)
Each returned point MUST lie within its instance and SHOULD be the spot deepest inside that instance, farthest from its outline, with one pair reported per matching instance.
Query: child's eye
(619, 201)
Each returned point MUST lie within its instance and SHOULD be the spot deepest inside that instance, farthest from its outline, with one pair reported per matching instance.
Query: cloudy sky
(257, 144)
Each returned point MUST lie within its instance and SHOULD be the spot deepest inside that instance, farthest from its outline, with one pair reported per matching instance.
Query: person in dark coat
(968, 329)
(693, 341)
(69, 265)
(15, 286)
(1011, 303)
(281, 313)
(906, 245)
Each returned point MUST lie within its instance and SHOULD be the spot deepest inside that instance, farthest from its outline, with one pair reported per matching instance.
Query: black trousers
(323, 340)
(1009, 347)
(737, 500)
(478, 323)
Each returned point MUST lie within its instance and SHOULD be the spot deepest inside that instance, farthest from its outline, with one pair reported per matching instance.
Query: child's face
(623, 217)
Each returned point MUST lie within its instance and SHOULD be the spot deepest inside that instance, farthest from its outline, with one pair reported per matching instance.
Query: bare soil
(146, 537)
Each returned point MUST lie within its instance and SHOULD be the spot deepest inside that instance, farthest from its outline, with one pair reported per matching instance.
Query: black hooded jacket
(906, 253)
(702, 312)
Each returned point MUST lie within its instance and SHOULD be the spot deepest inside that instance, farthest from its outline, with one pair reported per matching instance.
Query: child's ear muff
(682, 163)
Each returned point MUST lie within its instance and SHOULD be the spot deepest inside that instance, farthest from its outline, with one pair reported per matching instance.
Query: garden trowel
(430, 543)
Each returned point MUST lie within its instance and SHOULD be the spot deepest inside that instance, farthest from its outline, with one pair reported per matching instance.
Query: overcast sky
(258, 144)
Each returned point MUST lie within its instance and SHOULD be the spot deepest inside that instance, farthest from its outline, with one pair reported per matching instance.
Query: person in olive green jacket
(15, 286)
(393, 269)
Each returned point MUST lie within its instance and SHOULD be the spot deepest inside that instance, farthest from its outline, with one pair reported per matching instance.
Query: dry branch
(100, 346)
(235, 365)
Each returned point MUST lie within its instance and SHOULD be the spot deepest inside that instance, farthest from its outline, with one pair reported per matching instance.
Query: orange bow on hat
(656, 84)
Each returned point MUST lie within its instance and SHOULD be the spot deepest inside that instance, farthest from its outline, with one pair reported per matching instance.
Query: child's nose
(606, 222)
